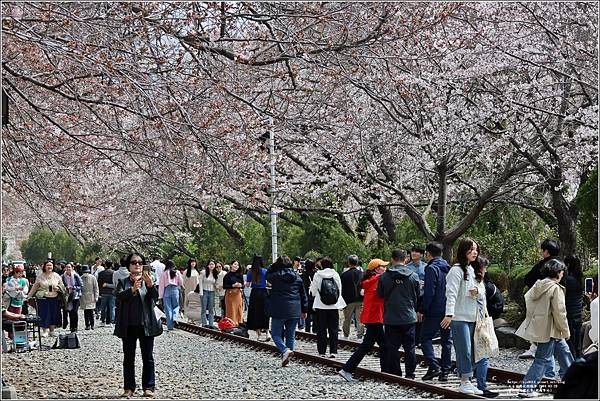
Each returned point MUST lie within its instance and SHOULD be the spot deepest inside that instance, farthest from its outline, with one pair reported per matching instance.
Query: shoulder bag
(485, 341)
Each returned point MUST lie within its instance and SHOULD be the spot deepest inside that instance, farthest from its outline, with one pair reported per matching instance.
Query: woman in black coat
(135, 320)
(574, 303)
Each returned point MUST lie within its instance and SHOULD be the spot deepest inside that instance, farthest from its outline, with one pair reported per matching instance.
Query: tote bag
(485, 341)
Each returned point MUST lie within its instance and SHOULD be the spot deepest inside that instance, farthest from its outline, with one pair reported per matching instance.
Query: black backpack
(329, 291)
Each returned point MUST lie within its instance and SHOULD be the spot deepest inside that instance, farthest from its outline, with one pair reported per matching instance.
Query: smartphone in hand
(589, 285)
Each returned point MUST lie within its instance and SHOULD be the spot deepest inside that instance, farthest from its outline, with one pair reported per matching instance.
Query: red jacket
(372, 311)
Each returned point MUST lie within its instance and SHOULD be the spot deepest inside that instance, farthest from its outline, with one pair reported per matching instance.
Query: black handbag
(67, 341)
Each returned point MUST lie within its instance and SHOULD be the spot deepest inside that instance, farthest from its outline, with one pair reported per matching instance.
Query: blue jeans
(462, 337)
(543, 356)
(107, 308)
(171, 304)
(277, 327)
(429, 328)
(208, 302)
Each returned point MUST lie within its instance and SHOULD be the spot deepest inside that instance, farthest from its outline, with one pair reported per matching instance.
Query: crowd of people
(405, 302)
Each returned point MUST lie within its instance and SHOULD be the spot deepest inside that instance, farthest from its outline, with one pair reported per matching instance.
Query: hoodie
(546, 313)
(434, 290)
(399, 287)
(287, 298)
(315, 287)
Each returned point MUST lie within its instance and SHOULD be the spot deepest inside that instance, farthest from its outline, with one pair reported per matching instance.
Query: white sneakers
(530, 353)
(332, 355)
(346, 375)
(285, 359)
(468, 388)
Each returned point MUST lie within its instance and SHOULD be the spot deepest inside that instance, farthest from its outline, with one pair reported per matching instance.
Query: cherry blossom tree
(380, 110)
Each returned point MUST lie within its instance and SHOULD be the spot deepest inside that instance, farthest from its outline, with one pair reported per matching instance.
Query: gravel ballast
(188, 366)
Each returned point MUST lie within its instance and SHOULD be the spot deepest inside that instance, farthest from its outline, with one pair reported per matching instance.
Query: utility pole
(273, 191)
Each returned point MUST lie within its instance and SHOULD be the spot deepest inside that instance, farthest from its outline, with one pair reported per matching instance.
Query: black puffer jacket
(152, 327)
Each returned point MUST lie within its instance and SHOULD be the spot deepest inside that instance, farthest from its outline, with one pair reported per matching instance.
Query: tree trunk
(566, 215)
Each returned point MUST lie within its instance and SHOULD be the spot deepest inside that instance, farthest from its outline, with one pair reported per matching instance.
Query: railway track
(502, 381)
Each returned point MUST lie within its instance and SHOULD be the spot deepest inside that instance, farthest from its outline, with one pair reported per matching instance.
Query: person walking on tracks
(546, 324)
(399, 287)
(372, 317)
(432, 310)
(325, 287)
(287, 303)
(462, 294)
(136, 299)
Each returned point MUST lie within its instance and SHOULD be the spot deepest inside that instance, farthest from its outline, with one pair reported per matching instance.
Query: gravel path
(187, 366)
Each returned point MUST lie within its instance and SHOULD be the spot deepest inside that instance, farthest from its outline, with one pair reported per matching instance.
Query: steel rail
(495, 375)
(366, 373)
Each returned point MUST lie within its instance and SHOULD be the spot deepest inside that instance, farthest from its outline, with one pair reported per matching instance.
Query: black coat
(152, 327)
(350, 285)
(573, 298)
(535, 273)
(231, 278)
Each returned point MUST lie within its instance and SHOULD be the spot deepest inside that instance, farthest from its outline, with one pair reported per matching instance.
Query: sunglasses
(136, 262)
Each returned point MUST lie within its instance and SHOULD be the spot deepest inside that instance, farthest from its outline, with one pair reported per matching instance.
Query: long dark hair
(170, 267)
(478, 265)
(207, 270)
(464, 247)
(257, 264)
(573, 264)
(188, 271)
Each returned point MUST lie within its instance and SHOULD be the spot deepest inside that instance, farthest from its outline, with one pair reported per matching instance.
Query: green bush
(517, 287)
(499, 277)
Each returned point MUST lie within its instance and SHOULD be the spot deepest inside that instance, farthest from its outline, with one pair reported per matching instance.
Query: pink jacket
(166, 280)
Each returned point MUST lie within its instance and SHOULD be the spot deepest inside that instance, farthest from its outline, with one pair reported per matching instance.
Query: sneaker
(490, 394)
(127, 393)
(466, 388)
(323, 355)
(528, 394)
(529, 354)
(431, 373)
(101, 324)
(443, 377)
(476, 391)
(148, 393)
(52, 334)
(87, 327)
(332, 355)
(285, 359)
(346, 375)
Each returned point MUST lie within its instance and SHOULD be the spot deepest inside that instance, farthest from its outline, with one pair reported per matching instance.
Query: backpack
(329, 291)
(494, 300)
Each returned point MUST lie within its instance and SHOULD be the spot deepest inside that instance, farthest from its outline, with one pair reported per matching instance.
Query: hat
(19, 268)
(85, 269)
(375, 263)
